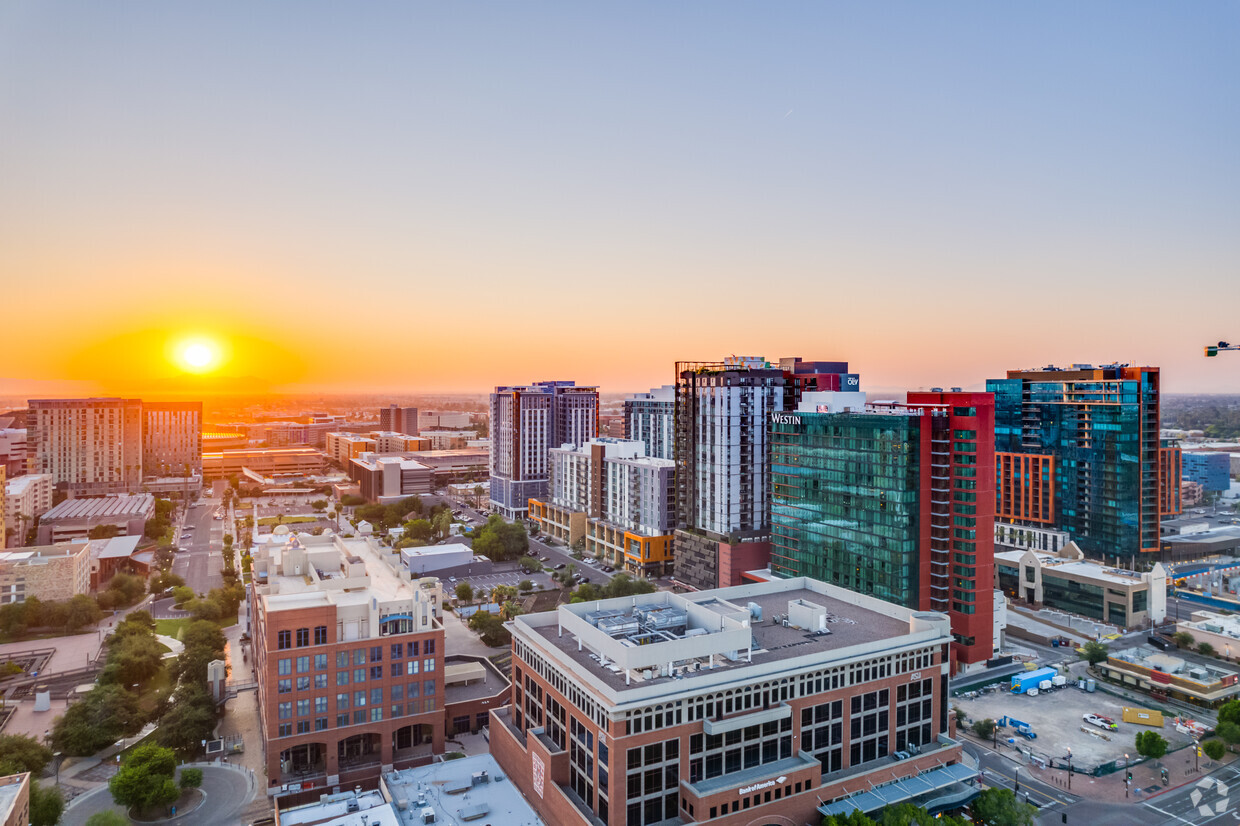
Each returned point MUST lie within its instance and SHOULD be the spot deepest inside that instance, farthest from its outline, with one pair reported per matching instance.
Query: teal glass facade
(845, 501)
(1101, 427)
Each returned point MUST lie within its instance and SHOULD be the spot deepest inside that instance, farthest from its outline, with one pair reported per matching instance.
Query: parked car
(560, 567)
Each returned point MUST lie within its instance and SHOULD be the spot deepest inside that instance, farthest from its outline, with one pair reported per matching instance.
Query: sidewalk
(1146, 780)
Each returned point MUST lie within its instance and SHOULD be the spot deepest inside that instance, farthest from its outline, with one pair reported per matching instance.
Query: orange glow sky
(417, 200)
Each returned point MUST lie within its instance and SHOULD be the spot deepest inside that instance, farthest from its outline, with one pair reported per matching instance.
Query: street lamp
(1016, 777)
(1127, 775)
(1069, 768)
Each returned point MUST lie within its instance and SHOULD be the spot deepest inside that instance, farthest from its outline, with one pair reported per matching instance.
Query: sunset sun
(198, 355)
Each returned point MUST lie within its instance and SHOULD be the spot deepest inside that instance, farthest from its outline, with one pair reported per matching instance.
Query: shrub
(1214, 749)
(191, 778)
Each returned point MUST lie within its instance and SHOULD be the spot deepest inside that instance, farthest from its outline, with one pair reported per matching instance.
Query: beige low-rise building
(1066, 581)
(49, 572)
(15, 799)
(1221, 631)
(26, 498)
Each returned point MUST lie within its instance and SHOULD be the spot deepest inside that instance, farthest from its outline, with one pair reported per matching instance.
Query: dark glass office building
(1094, 434)
(894, 501)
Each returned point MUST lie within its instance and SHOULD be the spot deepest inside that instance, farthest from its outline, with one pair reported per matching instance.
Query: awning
(901, 790)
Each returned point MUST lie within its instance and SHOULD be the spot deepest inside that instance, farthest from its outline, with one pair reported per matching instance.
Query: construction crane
(1212, 349)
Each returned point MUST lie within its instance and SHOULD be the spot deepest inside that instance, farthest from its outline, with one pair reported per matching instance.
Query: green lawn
(171, 627)
(288, 520)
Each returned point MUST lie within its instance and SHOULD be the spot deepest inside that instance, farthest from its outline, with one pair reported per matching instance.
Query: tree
(419, 529)
(464, 592)
(503, 593)
(103, 532)
(525, 585)
(1094, 653)
(191, 778)
(443, 523)
(490, 629)
(145, 778)
(1206, 650)
(1151, 745)
(1184, 639)
(999, 807)
(1214, 749)
(529, 563)
(189, 721)
(102, 717)
(46, 804)
(477, 496)
(19, 753)
(319, 505)
(134, 659)
(1229, 712)
(984, 729)
(82, 610)
(1228, 732)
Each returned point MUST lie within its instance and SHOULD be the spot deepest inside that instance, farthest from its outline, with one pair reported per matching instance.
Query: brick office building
(348, 653)
(773, 702)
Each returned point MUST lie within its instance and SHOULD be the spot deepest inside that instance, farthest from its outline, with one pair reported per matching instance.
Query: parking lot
(1056, 718)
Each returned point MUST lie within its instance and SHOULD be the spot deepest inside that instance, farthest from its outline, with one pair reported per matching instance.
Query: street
(201, 536)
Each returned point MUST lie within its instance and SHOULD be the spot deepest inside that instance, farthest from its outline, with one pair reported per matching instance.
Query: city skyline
(935, 195)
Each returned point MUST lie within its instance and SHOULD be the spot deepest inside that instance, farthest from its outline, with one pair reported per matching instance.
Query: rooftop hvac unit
(428, 815)
(755, 611)
(352, 806)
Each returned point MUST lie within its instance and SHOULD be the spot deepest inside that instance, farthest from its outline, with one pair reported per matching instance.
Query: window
(320, 681)
(430, 647)
(376, 672)
(303, 637)
(376, 714)
(284, 711)
(342, 701)
(428, 665)
(376, 696)
(303, 683)
(412, 667)
(284, 686)
(303, 726)
(413, 648)
(359, 656)
(303, 665)
(398, 692)
(376, 654)
(342, 720)
(320, 635)
(284, 639)
(320, 723)
(397, 669)
(359, 698)
(342, 659)
(320, 662)
(342, 678)
(303, 708)
(964, 411)
(428, 688)
(320, 705)
(398, 650)
(359, 675)
(359, 716)
(286, 729)
(285, 666)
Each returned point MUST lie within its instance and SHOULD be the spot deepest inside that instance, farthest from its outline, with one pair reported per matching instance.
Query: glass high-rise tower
(1077, 449)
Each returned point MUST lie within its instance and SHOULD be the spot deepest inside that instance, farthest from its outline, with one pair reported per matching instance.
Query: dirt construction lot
(1056, 719)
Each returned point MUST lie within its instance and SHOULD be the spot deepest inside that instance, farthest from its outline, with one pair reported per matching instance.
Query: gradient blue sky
(429, 197)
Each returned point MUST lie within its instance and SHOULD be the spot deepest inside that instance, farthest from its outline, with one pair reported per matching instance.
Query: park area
(1056, 717)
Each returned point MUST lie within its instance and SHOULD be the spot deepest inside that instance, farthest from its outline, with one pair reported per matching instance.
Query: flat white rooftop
(457, 793)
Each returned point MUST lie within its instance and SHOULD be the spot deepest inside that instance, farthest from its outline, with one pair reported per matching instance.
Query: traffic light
(1211, 351)
(1129, 778)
